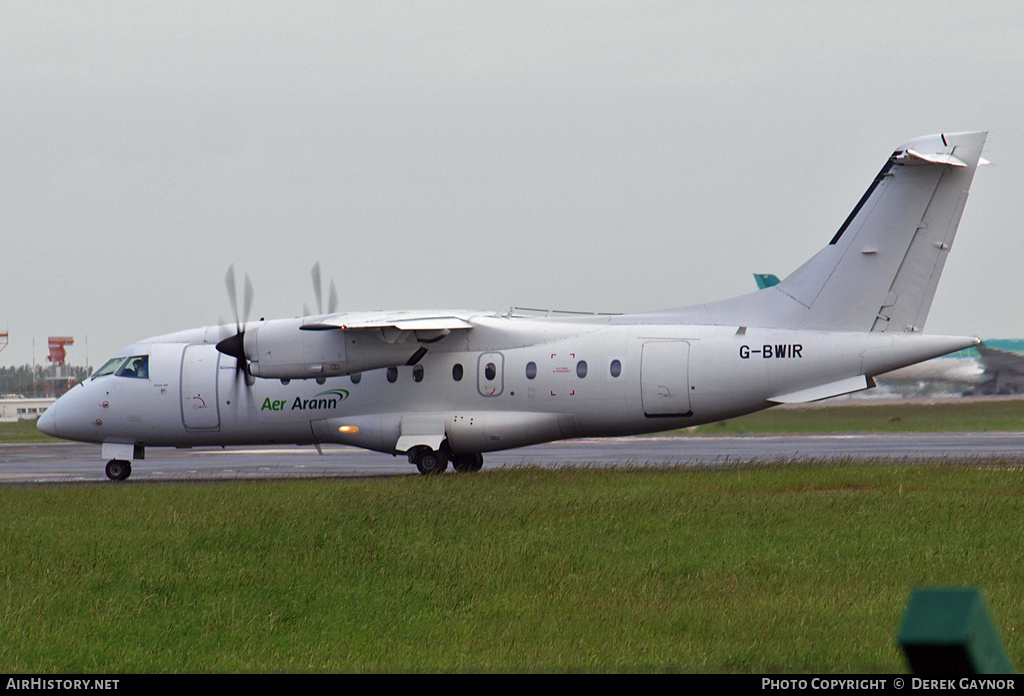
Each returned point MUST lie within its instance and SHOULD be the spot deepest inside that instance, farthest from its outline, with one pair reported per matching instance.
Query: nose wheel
(118, 469)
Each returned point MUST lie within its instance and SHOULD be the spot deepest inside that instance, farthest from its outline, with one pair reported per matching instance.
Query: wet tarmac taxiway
(65, 463)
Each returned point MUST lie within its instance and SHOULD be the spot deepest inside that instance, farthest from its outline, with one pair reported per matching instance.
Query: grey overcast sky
(603, 156)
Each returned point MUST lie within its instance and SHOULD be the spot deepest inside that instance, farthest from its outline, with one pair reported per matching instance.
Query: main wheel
(467, 463)
(430, 462)
(118, 469)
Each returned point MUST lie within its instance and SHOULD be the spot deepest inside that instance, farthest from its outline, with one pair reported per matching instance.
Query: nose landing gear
(119, 458)
(118, 469)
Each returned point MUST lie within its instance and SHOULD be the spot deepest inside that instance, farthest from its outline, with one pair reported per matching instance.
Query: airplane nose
(47, 422)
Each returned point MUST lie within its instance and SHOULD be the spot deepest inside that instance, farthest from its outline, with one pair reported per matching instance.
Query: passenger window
(616, 368)
(457, 372)
(581, 369)
(417, 373)
(137, 367)
(356, 377)
(392, 374)
(531, 370)
(490, 371)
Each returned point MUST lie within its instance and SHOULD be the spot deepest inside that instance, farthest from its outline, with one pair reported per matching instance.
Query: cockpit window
(109, 367)
(136, 367)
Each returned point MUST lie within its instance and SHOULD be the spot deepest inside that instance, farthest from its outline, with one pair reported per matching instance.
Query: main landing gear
(429, 461)
(467, 463)
(118, 469)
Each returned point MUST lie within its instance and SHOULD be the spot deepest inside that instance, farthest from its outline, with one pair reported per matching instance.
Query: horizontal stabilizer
(937, 158)
(825, 391)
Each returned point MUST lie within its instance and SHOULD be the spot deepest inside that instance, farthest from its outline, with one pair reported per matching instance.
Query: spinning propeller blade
(235, 345)
(318, 293)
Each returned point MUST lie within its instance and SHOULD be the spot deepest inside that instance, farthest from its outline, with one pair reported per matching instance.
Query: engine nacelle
(281, 350)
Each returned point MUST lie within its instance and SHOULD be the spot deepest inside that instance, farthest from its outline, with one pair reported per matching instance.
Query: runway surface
(67, 463)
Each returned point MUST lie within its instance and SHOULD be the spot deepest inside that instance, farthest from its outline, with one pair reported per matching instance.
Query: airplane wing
(395, 327)
(996, 360)
(402, 321)
(994, 370)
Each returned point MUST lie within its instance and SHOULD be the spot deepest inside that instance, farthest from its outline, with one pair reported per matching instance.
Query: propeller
(318, 292)
(235, 345)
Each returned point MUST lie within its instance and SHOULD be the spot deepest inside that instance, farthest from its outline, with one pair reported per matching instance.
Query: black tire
(118, 469)
(429, 462)
(468, 463)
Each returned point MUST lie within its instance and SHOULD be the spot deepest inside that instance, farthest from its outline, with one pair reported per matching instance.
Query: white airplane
(446, 386)
(993, 367)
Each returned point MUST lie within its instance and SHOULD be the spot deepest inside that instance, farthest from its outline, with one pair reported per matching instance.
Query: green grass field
(23, 431)
(940, 416)
(802, 568)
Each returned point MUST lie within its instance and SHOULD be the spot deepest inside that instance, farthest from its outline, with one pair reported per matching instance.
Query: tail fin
(881, 269)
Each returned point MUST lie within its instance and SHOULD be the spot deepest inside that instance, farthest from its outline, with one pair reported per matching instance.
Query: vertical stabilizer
(880, 270)
(882, 267)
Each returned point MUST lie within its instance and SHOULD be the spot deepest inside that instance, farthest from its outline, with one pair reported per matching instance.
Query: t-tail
(881, 268)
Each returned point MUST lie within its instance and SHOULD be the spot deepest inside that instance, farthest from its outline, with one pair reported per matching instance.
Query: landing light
(349, 429)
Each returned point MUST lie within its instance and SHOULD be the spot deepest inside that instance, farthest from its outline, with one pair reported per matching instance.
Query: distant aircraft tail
(881, 269)
(765, 280)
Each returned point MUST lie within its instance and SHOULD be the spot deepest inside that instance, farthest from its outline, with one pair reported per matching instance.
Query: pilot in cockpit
(137, 367)
(142, 368)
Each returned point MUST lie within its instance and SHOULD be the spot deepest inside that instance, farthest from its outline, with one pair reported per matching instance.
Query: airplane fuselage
(513, 381)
